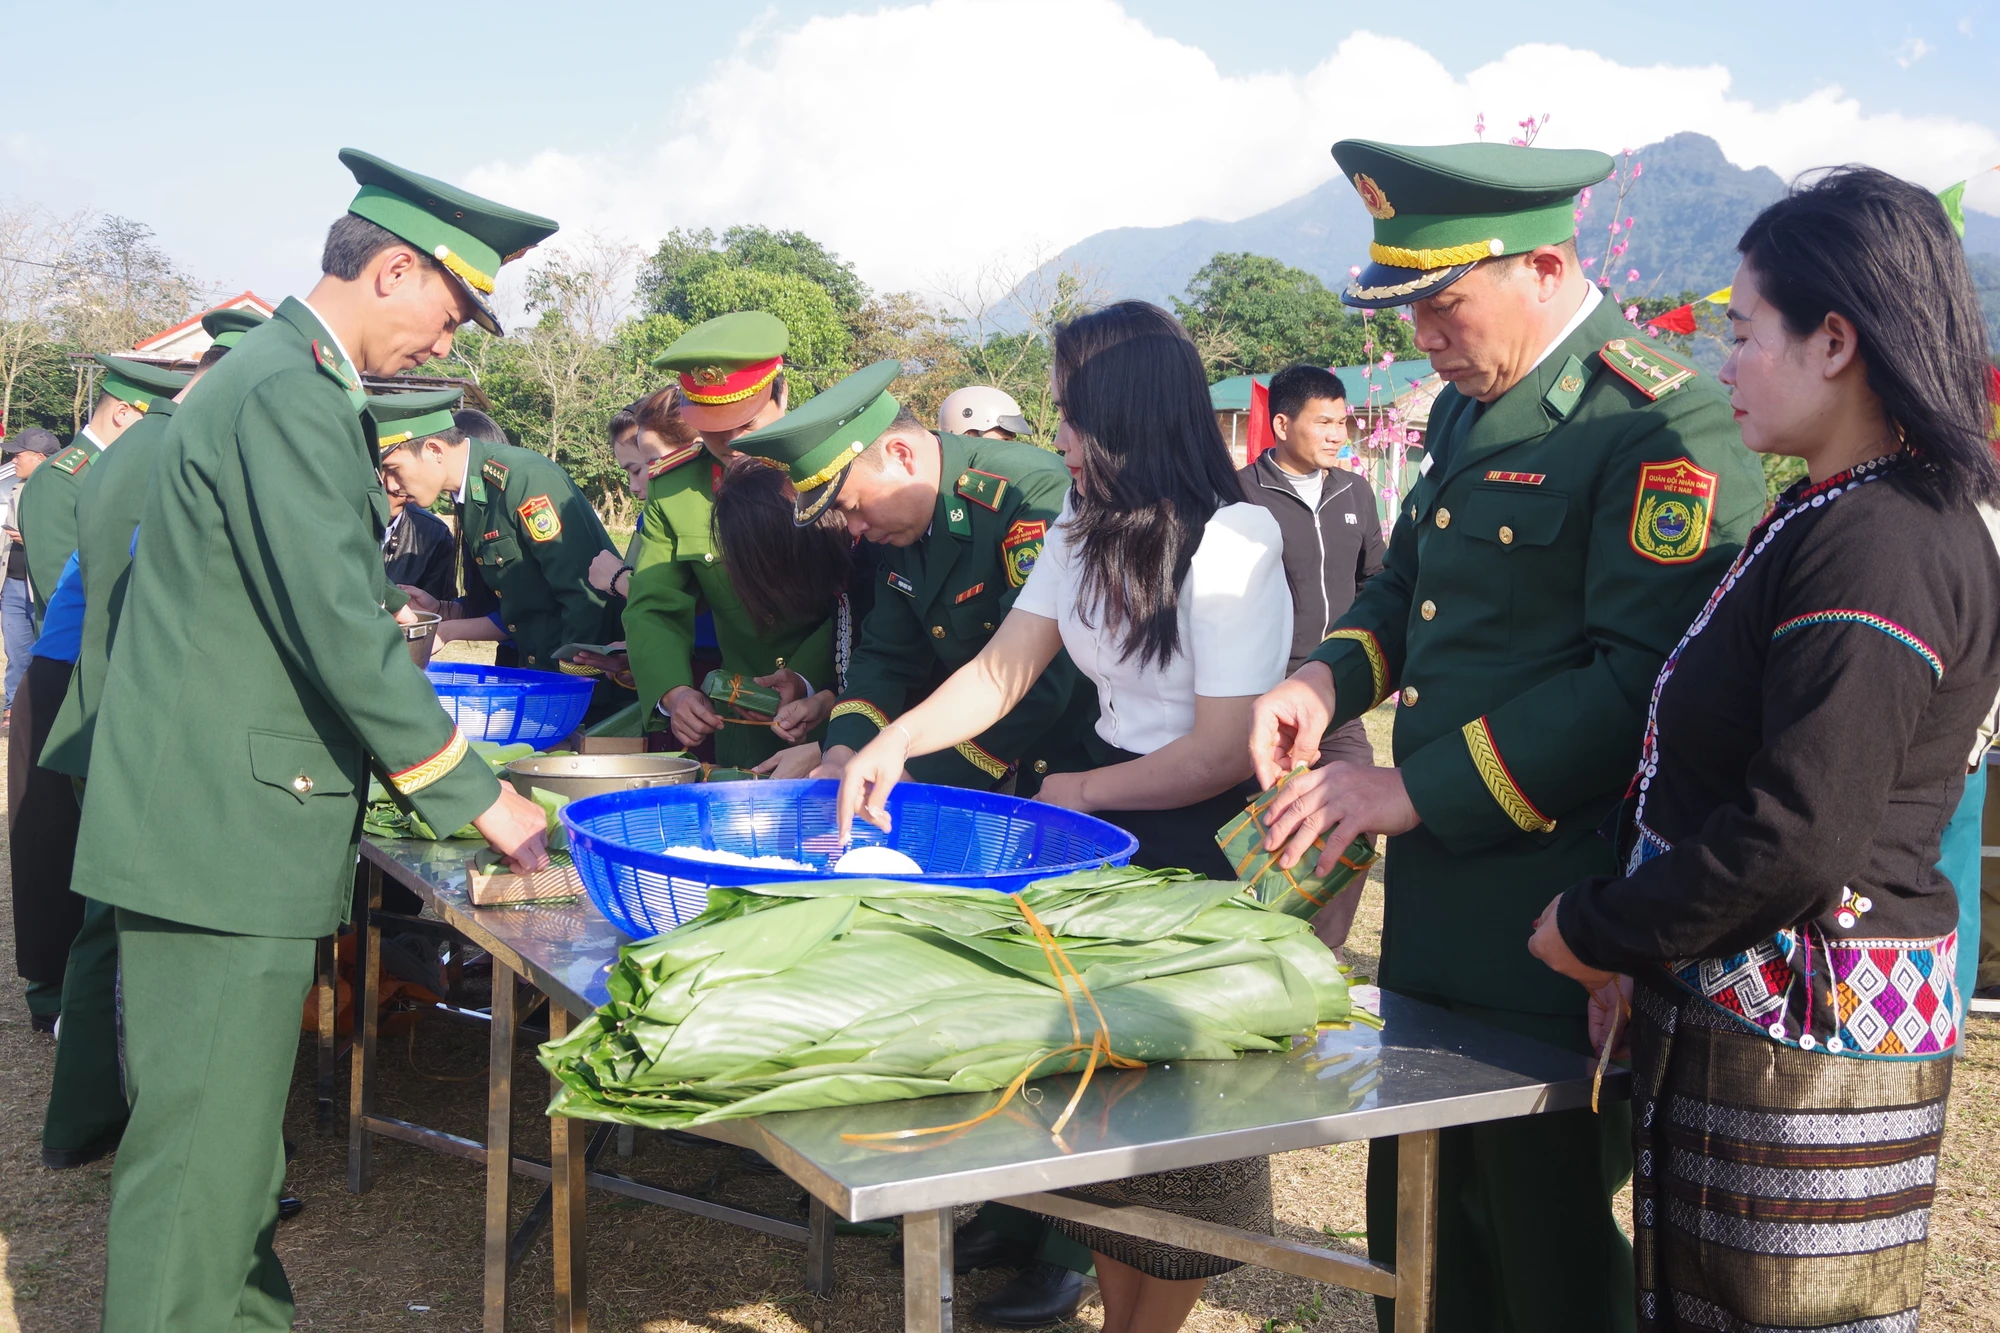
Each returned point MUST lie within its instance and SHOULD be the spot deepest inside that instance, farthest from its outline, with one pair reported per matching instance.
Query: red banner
(1258, 437)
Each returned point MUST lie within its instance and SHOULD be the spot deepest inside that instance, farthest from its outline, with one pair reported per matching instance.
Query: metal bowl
(579, 775)
(421, 636)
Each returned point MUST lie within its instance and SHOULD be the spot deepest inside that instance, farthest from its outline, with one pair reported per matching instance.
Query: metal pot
(579, 775)
(421, 637)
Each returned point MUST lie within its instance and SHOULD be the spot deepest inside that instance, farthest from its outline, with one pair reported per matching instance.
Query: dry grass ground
(406, 1255)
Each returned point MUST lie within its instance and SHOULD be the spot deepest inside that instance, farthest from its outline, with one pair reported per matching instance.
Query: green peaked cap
(818, 442)
(227, 327)
(1440, 210)
(139, 383)
(402, 417)
(470, 236)
(728, 342)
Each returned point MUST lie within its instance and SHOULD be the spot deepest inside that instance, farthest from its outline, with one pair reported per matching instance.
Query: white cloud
(923, 140)
(1912, 50)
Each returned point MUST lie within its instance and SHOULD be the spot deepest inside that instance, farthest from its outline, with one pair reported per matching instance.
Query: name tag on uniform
(901, 584)
(1424, 468)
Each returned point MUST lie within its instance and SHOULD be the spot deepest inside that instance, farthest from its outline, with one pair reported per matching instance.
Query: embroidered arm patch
(539, 517)
(1671, 512)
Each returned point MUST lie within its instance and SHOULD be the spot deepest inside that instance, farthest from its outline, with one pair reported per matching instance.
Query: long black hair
(784, 574)
(1153, 468)
(1881, 252)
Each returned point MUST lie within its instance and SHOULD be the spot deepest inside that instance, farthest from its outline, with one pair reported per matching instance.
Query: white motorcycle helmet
(982, 407)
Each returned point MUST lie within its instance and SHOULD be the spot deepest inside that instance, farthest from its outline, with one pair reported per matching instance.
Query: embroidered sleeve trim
(1880, 624)
(979, 759)
(574, 669)
(1378, 662)
(419, 776)
(860, 708)
(1499, 779)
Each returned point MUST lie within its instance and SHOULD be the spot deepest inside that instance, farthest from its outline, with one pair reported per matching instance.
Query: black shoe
(68, 1159)
(752, 1160)
(976, 1245)
(44, 1022)
(1044, 1295)
(289, 1207)
(291, 1151)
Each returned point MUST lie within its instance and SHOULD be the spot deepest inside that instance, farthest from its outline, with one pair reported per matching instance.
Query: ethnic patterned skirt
(1234, 1194)
(1776, 1188)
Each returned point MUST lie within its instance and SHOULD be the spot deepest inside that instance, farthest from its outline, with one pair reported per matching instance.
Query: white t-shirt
(1308, 488)
(1235, 613)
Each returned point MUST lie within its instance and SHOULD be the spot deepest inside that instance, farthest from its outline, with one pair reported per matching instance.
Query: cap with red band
(727, 367)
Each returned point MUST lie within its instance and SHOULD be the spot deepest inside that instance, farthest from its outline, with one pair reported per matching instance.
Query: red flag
(1678, 320)
(1259, 437)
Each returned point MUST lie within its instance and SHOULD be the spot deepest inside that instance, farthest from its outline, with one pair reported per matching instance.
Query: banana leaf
(1300, 891)
(788, 996)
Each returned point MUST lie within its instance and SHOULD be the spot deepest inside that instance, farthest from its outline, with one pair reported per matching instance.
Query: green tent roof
(1385, 385)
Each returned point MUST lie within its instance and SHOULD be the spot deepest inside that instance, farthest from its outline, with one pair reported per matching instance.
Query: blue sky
(928, 141)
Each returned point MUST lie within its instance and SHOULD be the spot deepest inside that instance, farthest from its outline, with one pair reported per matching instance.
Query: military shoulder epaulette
(982, 488)
(494, 471)
(72, 461)
(668, 462)
(1646, 368)
(329, 361)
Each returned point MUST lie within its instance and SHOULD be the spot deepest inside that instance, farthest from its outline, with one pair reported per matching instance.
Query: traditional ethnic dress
(1790, 938)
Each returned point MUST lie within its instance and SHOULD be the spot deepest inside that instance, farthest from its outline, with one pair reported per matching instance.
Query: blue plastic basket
(618, 842)
(507, 704)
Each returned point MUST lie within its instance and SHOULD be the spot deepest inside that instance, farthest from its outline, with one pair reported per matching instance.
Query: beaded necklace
(1795, 501)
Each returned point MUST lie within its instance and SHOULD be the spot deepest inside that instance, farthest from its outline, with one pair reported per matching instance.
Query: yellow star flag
(1718, 297)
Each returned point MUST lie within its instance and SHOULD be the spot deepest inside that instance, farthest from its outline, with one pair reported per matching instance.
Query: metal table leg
(1416, 1231)
(567, 1169)
(819, 1249)
(927, 1271)
(326, 994)
(367, 999)
(499, 1145)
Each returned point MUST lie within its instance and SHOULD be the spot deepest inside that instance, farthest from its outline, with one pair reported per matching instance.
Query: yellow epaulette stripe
(419, 776)
(979, 759)
(1378, 662)
(860, 708)
(1499, 779)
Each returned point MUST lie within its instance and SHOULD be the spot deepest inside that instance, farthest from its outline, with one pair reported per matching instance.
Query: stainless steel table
(1426, 1070)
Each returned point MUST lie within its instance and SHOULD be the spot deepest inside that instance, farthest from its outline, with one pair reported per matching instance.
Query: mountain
(1689, 204)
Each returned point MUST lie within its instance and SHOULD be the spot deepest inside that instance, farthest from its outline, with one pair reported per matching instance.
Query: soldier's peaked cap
(469, 236)
(402, 417)
(228, 326)
(819, 442)
(1439, 210)
(139, 383)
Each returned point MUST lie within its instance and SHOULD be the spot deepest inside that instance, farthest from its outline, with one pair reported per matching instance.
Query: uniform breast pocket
(500, 553)
(1514, 518)
(303, 766)
(976, 618)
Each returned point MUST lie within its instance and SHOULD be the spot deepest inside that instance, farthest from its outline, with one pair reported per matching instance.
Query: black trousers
(1180, 839)
(43, 819)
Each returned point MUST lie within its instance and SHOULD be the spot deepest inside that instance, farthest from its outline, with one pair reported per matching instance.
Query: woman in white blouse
(1169, 593)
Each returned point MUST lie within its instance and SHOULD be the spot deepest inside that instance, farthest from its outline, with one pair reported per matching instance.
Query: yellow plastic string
(1098, 1048)
(1604, 1056)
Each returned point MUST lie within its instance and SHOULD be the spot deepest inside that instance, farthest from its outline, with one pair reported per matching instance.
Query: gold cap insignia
(1372, 198)
(708, 375)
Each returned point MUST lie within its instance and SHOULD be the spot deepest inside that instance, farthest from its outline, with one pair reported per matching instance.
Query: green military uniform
(256, 685)
(1557, 544)
(87, 1106)
(679, 568)
(938, 603)
(46, 509)
(940, 599)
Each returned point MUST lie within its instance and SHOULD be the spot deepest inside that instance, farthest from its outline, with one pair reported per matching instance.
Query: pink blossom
(1604, 283)
(1368, 348)
(1628, 224)
(1402, 315)
(1518, 141)
(1652, 332)
(1631, 275)
(1637, 167)
(1479, 124)
(1354, 271)
(1583, 200)
(1631, 314)
(1588, 260)
(1388, 359)
(1618, 249)
(1614, 228)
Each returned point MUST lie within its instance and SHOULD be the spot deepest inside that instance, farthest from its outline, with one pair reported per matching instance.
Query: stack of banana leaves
(782, 997)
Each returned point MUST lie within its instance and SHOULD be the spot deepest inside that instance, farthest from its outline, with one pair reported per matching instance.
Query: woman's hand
(604, 569)
(692, 719)
(1287, 722)
(868, 779)
(801, 717)
(1608, 1009)
(1343, 801)
(1548, 945)
(616, 666)
(797, 762)
(1065, 790)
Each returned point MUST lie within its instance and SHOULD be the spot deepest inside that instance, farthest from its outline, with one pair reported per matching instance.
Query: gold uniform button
(1428, 610)
(1506, 535)
(709, 558)
(1409, 696)
(302, 784)
(1444, 518)
(531, 659)
(513, 629)
(1041, 766)
(937, 631)
(986, 625)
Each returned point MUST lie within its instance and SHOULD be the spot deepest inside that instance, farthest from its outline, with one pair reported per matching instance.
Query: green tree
(686, 259)
(1252, 314)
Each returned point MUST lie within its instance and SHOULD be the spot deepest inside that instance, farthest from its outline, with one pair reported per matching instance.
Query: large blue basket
(618, 842)
(507, 704)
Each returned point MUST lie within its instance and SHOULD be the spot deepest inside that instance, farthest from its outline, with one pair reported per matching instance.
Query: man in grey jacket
(1333, 544)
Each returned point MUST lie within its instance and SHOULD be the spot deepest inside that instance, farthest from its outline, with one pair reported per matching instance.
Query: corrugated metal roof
(1384, 385)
